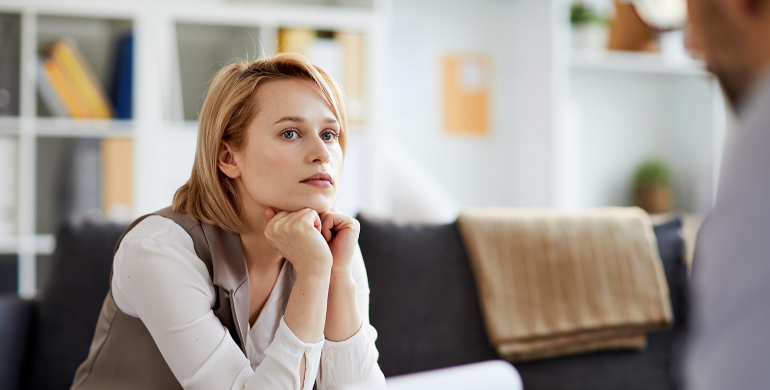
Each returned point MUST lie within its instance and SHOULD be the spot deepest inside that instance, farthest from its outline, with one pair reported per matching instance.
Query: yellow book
(64, 89)
(82, 77)
(295, 40)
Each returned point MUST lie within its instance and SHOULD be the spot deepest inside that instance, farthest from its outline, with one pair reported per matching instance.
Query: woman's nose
(319, 153)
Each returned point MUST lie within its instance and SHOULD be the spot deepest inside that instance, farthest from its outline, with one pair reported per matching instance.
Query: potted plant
(652, 187)
(589, 30)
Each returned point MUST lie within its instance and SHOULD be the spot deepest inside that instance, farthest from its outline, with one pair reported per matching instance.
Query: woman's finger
(337, 221)
(269, 214)
(301, 217)
(317, 222)
(327, 222)
(275, 223)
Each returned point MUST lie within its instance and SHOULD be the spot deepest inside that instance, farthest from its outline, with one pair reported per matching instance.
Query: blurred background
(452, 103)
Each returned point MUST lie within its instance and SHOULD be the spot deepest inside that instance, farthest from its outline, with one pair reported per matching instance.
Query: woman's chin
(321, 206)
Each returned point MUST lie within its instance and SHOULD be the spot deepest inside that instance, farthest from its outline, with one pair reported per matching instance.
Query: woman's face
(292, 158)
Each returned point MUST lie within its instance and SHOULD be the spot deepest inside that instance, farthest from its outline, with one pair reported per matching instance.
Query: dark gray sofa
(423, 304)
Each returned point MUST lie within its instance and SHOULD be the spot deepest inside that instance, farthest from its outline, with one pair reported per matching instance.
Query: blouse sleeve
(353, 361)
(159, 279)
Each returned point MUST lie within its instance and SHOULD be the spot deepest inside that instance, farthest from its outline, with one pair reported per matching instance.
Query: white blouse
(158, 278)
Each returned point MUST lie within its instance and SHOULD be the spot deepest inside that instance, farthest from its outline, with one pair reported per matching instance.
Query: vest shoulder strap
(190, 225)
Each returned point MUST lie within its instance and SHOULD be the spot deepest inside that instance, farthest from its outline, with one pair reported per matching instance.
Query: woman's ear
(226, 161)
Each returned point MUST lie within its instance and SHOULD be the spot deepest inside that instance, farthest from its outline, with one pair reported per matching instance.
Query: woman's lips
(321, 180)
(318, 183)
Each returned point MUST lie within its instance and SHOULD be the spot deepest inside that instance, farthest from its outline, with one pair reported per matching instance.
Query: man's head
(734, 36)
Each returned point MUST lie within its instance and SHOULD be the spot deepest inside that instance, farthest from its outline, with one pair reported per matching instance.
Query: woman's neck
(259, 253)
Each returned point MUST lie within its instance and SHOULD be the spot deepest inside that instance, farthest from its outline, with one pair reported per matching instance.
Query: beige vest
(123, 354)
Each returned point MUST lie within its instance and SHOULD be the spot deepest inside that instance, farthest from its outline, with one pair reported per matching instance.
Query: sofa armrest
(15, 321)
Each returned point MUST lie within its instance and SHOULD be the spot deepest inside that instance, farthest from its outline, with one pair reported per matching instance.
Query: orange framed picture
(466, 80)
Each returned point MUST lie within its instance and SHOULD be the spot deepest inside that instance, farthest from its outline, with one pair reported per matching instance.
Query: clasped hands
(314, 244)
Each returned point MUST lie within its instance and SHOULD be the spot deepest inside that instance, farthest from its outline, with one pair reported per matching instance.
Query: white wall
(512, 166)
(625, 118)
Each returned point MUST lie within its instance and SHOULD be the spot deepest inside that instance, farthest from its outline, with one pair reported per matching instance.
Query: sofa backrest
(423, 299)
(424, 306)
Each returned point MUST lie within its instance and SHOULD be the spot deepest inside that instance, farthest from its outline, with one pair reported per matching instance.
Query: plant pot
(654, 199)
(590, 37)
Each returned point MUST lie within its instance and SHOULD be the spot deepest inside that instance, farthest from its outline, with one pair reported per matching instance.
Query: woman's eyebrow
(300, 119)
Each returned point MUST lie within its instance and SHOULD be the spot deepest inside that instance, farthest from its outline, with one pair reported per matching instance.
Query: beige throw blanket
(554, 283)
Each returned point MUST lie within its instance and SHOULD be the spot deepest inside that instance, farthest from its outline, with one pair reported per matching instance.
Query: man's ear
(226, 161)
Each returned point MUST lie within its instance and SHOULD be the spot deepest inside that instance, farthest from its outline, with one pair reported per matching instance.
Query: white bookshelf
(163, 136)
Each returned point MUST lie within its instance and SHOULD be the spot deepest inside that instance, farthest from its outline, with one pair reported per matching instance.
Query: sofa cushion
(71, 301)
(423, 298)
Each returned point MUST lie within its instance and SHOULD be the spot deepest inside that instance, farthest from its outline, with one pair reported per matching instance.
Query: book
(65, 90)
(87, 87)
(117, 178)
(121, 89)
(353, 74)
(82, 177)
(48, 92)
(295, 40)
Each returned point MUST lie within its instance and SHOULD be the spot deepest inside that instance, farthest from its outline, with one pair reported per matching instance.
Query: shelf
(69, 127)
(650, 63)
(9, 125)
(319, 15)
(43, 244)
(267, 14)
(84, 128)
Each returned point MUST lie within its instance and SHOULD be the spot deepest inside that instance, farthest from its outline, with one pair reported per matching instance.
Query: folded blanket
(554, 283)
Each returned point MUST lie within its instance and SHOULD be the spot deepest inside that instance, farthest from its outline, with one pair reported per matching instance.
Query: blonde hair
(209, 195)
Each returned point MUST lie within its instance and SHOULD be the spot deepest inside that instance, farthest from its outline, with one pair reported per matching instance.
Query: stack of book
(70, 88)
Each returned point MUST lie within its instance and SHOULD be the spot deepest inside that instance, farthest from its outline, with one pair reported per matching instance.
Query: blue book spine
(121, 91)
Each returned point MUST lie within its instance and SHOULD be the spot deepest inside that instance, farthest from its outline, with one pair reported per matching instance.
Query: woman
(250, 280)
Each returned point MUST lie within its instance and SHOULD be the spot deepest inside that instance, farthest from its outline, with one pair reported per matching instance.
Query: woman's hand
(343, 319)
(297, 237)
(341, 232)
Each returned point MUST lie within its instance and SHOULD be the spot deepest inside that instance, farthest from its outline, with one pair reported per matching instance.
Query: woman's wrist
(341, 278)
(306, 310)
(318, 269)
(342, 317)
(340, 271)
(315, 277)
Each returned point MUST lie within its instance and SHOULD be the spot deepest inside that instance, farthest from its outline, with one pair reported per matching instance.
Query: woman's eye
(290, 134)
(328, 136)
